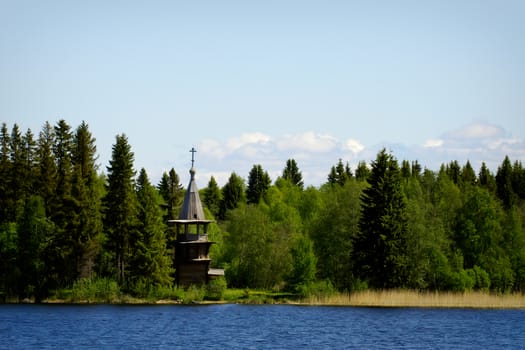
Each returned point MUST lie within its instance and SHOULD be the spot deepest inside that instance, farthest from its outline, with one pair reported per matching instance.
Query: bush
(481, 278)
(215, 289)
(322, 288)
(194, 294)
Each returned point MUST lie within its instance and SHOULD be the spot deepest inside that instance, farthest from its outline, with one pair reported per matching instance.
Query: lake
(234, 326)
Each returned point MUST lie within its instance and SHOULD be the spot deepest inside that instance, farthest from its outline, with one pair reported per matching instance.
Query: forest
(388, 224)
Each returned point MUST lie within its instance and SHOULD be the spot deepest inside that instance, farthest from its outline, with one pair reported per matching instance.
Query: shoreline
(369, 298)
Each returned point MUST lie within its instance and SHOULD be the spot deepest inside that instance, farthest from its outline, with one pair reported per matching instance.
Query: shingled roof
(192, 207)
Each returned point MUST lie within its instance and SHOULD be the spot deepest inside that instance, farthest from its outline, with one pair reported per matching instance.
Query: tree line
(387, 224)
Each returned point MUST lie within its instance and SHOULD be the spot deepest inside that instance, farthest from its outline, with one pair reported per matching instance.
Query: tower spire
(193, 151)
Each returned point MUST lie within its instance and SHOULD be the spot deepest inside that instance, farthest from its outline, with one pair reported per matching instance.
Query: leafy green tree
(121, 209)
(304, 265)
(333, 230)
(212, 197)
(255, 254)
(381, 247)
(35, 245)
(291, 173)
(233, 194)
(172, 192)
(9, 272)
(150, 265)
(479, 236)
(514, 245)
(258, 183)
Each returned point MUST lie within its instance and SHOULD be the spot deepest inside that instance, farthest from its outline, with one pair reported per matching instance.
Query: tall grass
(409, 298)
(95, 290)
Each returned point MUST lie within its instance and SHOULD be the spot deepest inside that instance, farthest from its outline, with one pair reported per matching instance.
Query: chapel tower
(192, 262)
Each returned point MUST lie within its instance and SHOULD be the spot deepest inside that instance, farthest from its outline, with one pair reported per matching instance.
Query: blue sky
(259, 82)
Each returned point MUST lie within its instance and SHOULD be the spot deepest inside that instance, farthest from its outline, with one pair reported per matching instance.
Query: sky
(261, 82)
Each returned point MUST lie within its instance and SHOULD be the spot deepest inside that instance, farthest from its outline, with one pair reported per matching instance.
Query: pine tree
(150, 265)
(258, 184)
(121, 209)
(291, 173)
(380, 248)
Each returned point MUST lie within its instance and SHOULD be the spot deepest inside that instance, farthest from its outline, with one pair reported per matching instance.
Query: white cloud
(308, 141)
(315, 153)
(257, 138)
(478, 130)
(354, 146)
(433, 143)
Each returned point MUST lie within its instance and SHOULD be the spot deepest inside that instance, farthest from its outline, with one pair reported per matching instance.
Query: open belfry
(192, 262)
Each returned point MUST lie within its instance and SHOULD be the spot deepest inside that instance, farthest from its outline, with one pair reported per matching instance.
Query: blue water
(256, 327)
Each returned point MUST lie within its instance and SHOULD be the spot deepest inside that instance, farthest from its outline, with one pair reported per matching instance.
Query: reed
(410, 298)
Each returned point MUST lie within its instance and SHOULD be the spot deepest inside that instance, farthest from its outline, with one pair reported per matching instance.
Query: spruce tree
(291, 173)
(258, 184)
(62, 206)
(380, 248)
(150, 265)
(468, 176)
(87, 226)
(172, 192)
(46, 179)
(504, 188)
(120, 209)
(362, 171)
(15, 190)
(5, 171)
(486, 179)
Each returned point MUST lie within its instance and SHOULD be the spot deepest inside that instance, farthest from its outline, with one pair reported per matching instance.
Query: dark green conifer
(258, 184)
(121, 209)
(380, 248)
(291, 173)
